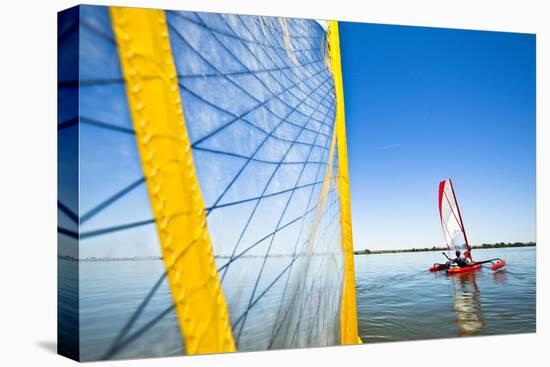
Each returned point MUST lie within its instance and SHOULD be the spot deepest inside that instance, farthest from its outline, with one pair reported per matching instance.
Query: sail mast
(460, 216)
(445, 231)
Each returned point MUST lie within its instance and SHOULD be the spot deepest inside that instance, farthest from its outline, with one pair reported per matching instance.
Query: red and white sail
(451, 220)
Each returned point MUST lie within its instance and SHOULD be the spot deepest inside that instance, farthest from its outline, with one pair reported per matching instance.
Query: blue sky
(423, 104)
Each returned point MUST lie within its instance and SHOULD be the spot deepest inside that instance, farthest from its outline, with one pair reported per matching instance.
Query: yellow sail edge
(176, 200)
(348, 313)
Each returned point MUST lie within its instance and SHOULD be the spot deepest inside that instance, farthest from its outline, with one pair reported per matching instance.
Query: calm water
(398, 299)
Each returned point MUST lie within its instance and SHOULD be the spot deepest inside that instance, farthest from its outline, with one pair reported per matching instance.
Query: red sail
(451, 219)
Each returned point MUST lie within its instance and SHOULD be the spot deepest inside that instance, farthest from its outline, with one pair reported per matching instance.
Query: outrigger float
(455, 235)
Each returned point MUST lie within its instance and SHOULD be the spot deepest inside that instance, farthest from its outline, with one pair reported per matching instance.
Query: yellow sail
(218, 142)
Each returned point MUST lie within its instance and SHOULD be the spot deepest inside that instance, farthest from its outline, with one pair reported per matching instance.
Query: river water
(397, 299)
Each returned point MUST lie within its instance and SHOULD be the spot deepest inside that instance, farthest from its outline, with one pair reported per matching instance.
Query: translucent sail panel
(259, 105)
(125, 307)
(451, 222)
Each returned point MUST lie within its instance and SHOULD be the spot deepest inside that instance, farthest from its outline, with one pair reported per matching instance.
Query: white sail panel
(451, 220)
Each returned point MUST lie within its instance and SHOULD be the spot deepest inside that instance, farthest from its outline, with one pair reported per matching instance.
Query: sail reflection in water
(467, 305)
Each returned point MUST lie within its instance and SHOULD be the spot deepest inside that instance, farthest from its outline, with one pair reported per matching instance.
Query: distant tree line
(438, 248)
(509, 244)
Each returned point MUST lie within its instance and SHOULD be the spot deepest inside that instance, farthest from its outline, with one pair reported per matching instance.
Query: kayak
(438, 267)
(495, 265)
(455, 235)
(457, 269)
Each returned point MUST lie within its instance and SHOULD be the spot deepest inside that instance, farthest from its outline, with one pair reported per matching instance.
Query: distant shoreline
(429, 249)
(358, 252)
(145, 258)
(90, 259)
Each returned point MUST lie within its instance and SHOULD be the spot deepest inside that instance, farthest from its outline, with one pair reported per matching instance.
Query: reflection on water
(397, 299)
(467, 305)
(112, 292)
(501, 277)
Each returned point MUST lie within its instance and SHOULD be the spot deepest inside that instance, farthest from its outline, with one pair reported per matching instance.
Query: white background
(28, 181)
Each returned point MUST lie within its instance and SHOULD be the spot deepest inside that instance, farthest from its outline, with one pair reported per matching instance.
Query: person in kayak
(461, 260)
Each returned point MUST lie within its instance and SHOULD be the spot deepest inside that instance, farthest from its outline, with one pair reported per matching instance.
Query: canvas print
(232, 183)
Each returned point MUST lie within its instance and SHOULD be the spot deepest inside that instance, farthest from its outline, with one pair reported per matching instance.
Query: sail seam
(348, 313)
(176, 200)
